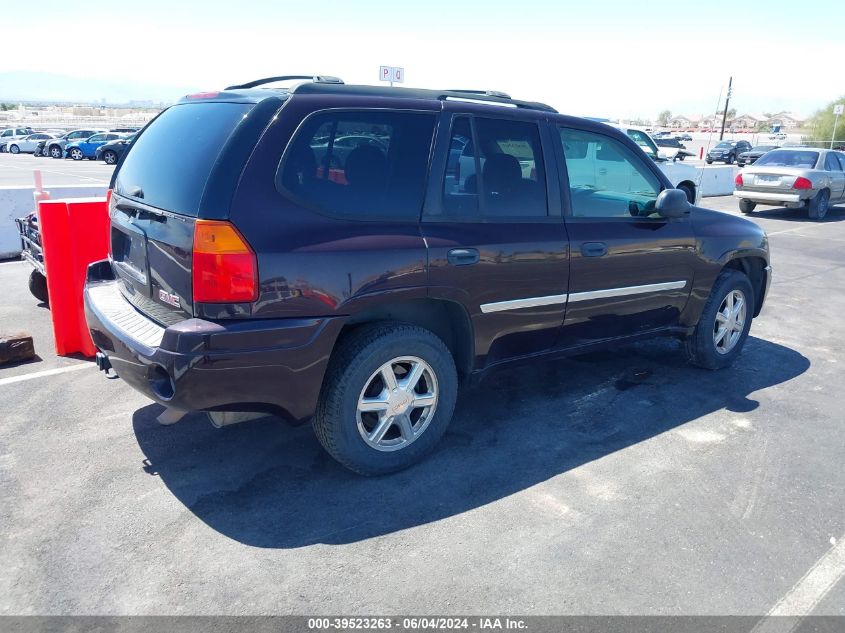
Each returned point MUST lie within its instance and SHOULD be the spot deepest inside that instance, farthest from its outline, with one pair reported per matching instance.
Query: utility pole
(725, 113)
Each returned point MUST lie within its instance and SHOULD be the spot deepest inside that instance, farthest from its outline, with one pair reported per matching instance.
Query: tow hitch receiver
(103, 362)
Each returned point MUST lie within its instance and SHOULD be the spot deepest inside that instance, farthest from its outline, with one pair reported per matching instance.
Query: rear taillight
(224, 266)
(802, 183)
(738, 180)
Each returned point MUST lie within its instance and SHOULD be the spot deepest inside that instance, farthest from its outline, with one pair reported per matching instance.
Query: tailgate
(151, 256)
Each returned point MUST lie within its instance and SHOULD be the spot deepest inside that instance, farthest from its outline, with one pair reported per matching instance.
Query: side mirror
(672, 203)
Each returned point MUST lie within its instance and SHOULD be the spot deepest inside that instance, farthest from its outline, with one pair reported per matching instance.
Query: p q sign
(839, 109)
(391, 74)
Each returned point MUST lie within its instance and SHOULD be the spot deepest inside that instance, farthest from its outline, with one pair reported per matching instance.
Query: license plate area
(768, 181)
(129, 254)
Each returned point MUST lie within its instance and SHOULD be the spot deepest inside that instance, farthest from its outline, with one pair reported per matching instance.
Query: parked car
(794, 177)
(126, 130)
(683, 137)
(31, 251)
(682, 177)
(111, 152)
(87, 148)
(242, 278)
(12, 134)
(56, 147)
(778, 136)
(726, 152)
(28, 144)
(749, 157)
(680, 150)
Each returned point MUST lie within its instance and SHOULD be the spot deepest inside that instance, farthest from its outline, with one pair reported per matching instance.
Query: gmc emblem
(168, 298)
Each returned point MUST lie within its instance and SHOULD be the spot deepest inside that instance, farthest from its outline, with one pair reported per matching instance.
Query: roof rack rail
(486, 93)
(317, 79)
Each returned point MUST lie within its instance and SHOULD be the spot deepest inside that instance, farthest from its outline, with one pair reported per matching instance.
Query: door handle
(593, 249)
(462, 256)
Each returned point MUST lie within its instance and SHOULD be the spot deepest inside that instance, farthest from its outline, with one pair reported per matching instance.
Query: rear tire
(76, 154)
(55, 151)
(38, 286)
(688, 192)
(109, 157)
(354, 375)
(746, 206)
(818, 206)
(704, 348)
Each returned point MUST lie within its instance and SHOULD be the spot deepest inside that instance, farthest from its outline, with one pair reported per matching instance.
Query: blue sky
(600, 58)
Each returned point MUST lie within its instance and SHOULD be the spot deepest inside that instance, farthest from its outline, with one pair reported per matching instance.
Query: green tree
(821, 123)
(664, 117)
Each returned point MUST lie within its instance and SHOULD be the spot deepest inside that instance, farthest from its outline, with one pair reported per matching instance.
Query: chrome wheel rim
(730, 321)
(110, 158)
(75, 154)
(55, 152)
(397, 403)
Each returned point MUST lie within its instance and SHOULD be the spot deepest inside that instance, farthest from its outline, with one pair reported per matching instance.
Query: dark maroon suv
(350, 254)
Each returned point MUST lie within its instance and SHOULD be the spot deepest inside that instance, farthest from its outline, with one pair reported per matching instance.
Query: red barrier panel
(74, 233)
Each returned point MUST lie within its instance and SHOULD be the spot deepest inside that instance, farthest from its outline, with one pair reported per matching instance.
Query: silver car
(793, 177)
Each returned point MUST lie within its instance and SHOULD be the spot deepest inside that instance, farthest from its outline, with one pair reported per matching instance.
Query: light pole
(725, 113)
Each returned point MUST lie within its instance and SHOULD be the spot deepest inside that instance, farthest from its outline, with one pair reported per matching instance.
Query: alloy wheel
(730, 321)
(397, 403)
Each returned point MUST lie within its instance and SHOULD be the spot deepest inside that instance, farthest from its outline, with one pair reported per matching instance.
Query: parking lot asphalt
(622, 482)
(16, 171)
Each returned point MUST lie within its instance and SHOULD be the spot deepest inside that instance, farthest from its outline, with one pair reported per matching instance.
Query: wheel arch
(447, 319)
(752, 266)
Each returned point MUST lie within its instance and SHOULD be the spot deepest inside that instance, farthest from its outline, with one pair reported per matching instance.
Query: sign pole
(837, 110)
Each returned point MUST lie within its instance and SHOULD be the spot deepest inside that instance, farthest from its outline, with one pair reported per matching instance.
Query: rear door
(496, 240)
(630, 270)
(158, 194)
(837, 177)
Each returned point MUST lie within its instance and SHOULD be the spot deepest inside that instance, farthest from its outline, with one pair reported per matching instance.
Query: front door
(630, 269)
(496, 240)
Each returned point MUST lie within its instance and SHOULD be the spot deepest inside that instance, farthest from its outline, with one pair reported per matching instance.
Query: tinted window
(360, 164)
(841, 159)
(79, 135)
(831, 164)
(511, 182)
(97, 138)
(644, 141)
(459, 199)
(171, 161)
(789, 158)
(606, 179)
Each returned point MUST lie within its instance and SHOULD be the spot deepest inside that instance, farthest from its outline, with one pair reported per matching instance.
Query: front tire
(14, 149)
(387, 398)
(109, 157)
(38, 286)
(55, 151)
(724, 323)
(818, 206)
(746, 206)
(689, 192)
(76, 154)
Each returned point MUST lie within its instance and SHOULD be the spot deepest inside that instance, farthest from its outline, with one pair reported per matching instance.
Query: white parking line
(807, 593)
(42, 374)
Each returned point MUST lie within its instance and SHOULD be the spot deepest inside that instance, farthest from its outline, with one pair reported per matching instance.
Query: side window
(831, 164)
(841, 159)
(606, 179)
(498, 173)
(360, 164)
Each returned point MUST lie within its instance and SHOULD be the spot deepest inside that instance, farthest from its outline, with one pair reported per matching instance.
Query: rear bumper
(772, 197)
(240, 365)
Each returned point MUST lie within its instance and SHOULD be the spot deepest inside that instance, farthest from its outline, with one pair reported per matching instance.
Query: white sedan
(28, 144)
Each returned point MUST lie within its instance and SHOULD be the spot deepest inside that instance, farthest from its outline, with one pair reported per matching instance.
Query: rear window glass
(170, 162)
(360, 164)
(785, 158)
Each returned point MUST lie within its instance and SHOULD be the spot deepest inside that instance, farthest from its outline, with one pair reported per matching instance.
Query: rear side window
(831, 164)
(170, 162)
(505, 178)
(360, 164)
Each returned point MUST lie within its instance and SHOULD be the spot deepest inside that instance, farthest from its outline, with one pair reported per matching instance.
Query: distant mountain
(36, 86)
